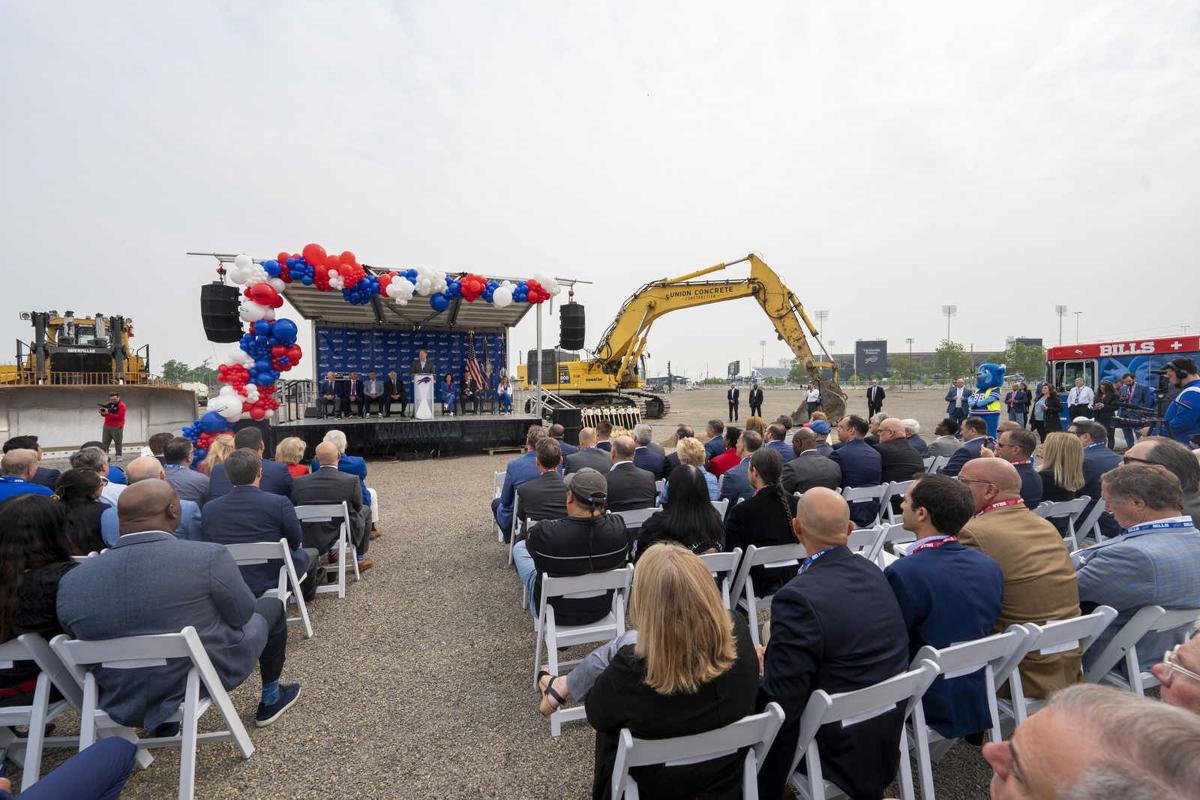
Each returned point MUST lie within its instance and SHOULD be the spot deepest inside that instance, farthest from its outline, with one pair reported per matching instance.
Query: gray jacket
(594, 457)
(150, 583)
(189, 484)
(326, 486)
(944, 446)
(810, 469)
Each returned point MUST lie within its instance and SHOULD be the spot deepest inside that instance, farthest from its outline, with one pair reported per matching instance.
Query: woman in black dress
(79, 492)
(1105, 408)
(688, 516)
(763, 520)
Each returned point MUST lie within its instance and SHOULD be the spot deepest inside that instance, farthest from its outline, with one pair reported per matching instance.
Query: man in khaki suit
(1039, 581)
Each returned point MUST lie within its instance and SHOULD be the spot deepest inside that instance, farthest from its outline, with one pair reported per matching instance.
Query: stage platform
(399, 436)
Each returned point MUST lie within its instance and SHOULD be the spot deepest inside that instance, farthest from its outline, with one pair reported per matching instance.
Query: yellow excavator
(66, 349)
(611, 377)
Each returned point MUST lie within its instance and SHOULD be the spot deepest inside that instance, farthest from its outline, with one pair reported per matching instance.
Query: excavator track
(653, 406)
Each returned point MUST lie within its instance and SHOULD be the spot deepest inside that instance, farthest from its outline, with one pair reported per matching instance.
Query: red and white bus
(1109, 361)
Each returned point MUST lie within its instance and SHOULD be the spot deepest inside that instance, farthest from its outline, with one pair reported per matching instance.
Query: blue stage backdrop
(344, 349)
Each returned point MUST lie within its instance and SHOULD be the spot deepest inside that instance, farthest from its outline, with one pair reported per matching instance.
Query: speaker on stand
(571, 326)
(219, 311)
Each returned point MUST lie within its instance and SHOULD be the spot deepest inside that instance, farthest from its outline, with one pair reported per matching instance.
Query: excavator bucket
(833, 403)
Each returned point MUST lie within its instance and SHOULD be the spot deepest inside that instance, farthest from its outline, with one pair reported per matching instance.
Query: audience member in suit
(1097, 460)
(948, 593)
(1134, 394)
(395, 391)
(157, 444)
(860, 465)
(189, 484)
(756, 400)
(353, 465)
(912, 433)
(1155, 562)
(79, 493)
(763, 520)
(957, 398)
(331, 396)
(644, 457)
(248, 514)
(714, 443)
(141, 469)
(629, 486)
(179, 584)
(469, 394)
(898, 460)
(835, 627)
(44, 476)
(735, 482)
(34, 557)
(974, 432)
(19, 467)
(373, 394)
(777, 441)
(732, 396)
(588, 454)
(276, 479)
(330, 486)
(691, 453)
(1039, 581)
(730, 458)
(947, 439)
(875, 398)
(821, 428)
(521, 469)
(1178, 460)
(687, 518)
(558, 433)
(649, 443)
(544, 497)
(1016, 447)
(809, 468)
(586, 540)
(671, 460)
(603, 432)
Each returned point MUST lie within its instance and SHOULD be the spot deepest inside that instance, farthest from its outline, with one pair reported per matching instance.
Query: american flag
(473, 363)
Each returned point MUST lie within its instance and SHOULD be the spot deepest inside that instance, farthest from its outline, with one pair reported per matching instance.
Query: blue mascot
(986, 402)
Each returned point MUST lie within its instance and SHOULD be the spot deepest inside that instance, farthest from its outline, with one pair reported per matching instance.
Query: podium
(423, 397)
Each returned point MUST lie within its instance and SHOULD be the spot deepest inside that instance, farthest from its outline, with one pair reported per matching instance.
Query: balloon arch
(268, 348)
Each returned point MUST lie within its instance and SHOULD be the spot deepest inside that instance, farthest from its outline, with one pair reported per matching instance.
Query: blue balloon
(272, 268)
(262, 327)
(285, 331)
(285, 361)
(262, 365)
(246, 341)
(198, 455)
(439, 302)
(264, 379)
(212, 422)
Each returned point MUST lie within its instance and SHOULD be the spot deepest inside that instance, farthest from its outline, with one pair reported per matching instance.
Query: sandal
(551, 700)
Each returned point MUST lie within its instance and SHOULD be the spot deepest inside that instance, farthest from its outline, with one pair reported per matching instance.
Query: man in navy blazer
(956, 401)
(715, 445)
(948, 593)
(248, 514)
(836, 627)
(776, 436)
(1097, 460)
(735, 483)
(912, 433)
(521, 469)
(861, 465)
(1016, 447)
(558, 432)
(330, 401)
(1134, 394)
(275, 476)
(974, 433)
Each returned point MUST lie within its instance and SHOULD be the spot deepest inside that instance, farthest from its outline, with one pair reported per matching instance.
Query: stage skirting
(464, 435)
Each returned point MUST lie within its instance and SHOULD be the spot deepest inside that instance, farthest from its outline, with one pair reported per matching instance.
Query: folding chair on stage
(851, 708)
(253, 553)
(755, 733)
(1070, 510)
(1123, 647)
(552, 636)
(135, 652)
(742, 592)
(345, 544)
(497, 488)
(723, 567)
(866, 494)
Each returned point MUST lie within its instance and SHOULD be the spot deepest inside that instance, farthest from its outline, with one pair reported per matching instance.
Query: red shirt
(116, 420)
(726, 461)
(299, 470)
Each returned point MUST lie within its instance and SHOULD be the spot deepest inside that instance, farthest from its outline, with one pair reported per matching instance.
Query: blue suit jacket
(248, 514)
(647, 459)
(1147, 568)
(783, 448)
(861, 466)
(567, 448)
(519, 470)
(962, 455)
(735, 483)
(949, 595)
(1097, 460)
(1031, 485)
(1139, 397)
(951, 393)
(919, 445)
(714, 447)
(189, 523)
(275, 480)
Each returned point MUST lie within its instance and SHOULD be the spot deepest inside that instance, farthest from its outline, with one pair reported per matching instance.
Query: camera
(108, 408)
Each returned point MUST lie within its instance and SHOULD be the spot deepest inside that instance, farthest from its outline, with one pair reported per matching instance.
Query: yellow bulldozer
(611, 378)
(70, 350)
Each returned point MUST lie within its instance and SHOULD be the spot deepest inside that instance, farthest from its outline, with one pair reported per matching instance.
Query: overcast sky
(885, 158)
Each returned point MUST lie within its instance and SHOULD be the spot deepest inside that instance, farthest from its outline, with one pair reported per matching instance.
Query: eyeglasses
(1132, 460)
(961, 479)
(1171, 664)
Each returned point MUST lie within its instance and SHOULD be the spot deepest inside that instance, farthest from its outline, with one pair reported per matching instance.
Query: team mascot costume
(986, 402)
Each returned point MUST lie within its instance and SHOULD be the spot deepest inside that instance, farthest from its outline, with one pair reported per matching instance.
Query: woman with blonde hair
(757, 424)
(1062, 467)
(291, 452)
(689, 667)
(218, 451)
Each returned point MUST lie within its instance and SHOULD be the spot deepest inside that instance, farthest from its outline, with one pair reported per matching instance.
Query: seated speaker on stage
(394, 392)
(449, 395)
(373, 393)
(354, 395)
(504, 390)
(329, 402)
(469, 393)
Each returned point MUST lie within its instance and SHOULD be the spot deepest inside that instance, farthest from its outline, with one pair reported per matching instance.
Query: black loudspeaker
(572, 420)
(570, 320)
(219, 310)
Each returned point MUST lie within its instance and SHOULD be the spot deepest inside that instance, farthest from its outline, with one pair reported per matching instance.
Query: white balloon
(502, 296)
(270, 315)
(244, 261)
(251, 312)
(277, 284)
(256, 274)
(336, 281)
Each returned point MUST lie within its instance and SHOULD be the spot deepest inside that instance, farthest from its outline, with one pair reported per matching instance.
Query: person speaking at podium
(424, 374)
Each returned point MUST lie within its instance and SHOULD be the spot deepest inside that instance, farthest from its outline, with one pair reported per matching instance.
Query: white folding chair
(1070, 510)
(512, 532)
(135, 652)
(894, 489)
(936, 465)
(1091, 524)
(26, 750)
(249, 554)
(497, 488)
(755, 733)
(720, 484)
(868, 542)
(742, 592)
(1058, 636)
(345, 544)
(374, 505)
(851, 708)
(552, 636)
(991, 654)
(658, 486)
(865, 494)
(1123, 647)
(635, 518)
(723, 567)
(895, 534)
(928, 461)
(721, 506)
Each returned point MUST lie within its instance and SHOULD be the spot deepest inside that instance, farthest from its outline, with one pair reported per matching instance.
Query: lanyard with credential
(1000, 504)
(933, 543)
(808, 562)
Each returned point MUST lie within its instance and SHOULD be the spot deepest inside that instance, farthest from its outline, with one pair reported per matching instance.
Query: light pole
(1077, 315)
(1062, 312)
(762, 364)
(948, 312)
(822, 315)
(911, 365)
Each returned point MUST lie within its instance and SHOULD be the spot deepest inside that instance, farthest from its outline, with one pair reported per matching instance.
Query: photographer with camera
(1183, 415)
(114, 422)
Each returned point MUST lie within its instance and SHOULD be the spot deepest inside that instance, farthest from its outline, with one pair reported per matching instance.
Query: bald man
(808, 467)
(629, 486)
(1039, 580)
(178, 584)
(328, 485)
(146, 468)
(836, 626)
(899, 460)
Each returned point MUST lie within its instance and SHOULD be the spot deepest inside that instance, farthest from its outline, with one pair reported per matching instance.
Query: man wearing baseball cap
(586, 541)
(1183, 415)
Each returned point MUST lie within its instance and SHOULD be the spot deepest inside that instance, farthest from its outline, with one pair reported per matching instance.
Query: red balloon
(264, 294)
(348, 257)
(279, 350)
(258, 412)
(294, 352)
(314, 254)
(282, 258)
(333, 260)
